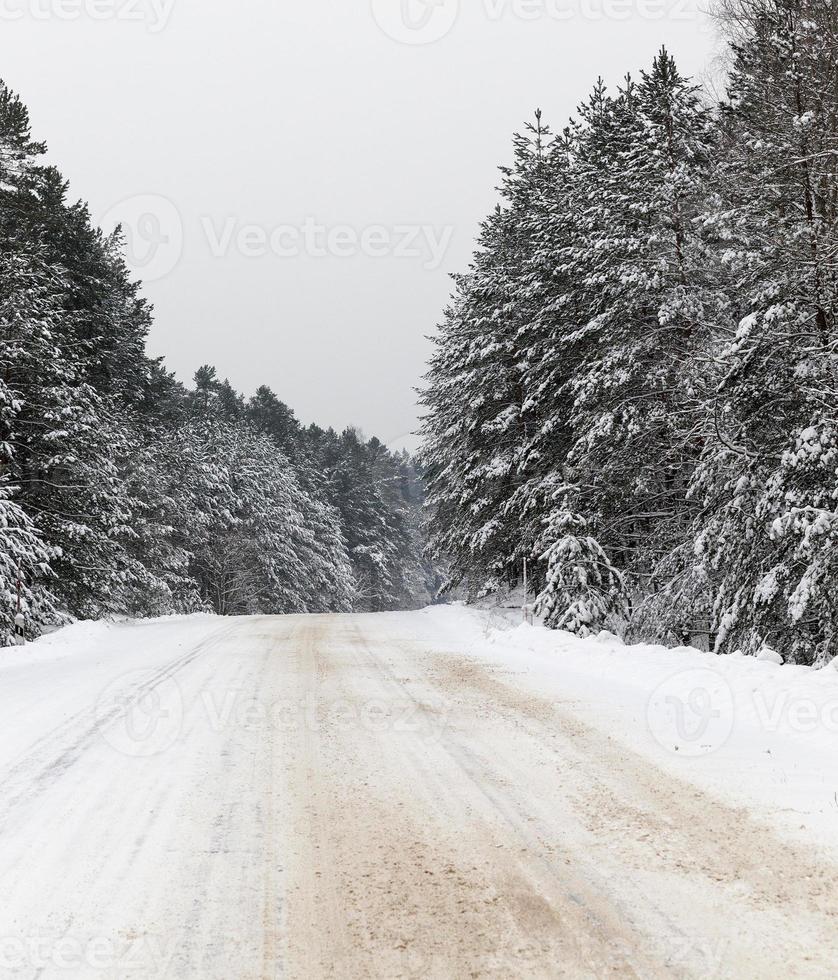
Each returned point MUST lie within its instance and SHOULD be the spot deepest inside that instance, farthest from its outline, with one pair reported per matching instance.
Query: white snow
(170, 787)
(47, 682)
(755, 733)
(768, 656)
(749, 729)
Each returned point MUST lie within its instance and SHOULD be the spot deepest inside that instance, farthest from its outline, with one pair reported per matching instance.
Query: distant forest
(123, 492)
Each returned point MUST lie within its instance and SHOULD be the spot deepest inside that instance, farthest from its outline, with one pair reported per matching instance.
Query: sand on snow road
(346, 796)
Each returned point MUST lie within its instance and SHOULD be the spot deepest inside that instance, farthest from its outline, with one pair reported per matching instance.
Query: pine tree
(582, 589)
(642, 170)
(480, 414)
(767, 480)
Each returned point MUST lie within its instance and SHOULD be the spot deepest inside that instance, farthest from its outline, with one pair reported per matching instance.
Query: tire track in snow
(22, 786)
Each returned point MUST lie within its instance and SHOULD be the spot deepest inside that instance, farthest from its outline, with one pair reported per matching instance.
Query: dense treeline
(123, 492)
(636, 383)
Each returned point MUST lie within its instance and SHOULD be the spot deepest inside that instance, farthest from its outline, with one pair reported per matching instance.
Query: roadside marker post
(527, 611)
(20, 618)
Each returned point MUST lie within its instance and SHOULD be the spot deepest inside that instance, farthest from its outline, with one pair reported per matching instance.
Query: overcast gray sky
(299, 177)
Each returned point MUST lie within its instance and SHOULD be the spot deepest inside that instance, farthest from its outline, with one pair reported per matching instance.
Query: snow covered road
(399, 795)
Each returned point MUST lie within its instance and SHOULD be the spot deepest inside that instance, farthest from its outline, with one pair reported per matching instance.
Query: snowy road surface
(395, 796)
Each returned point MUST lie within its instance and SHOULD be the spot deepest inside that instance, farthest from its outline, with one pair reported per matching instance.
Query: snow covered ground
(758, 734)
(428, 794)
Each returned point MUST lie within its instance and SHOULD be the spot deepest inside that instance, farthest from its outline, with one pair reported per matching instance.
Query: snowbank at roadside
(82, 637)
(757, 733)
(67, 641)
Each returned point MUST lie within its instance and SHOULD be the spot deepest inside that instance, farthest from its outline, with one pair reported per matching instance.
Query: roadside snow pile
(767, 655)
(100, 637)
(753, 731)
(65, 642)
(74, 635)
